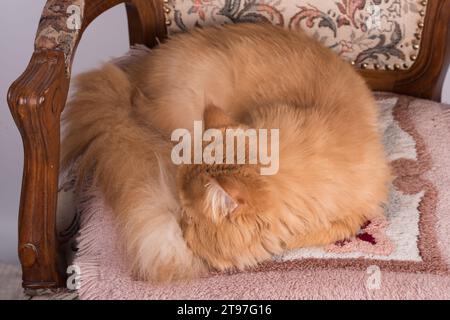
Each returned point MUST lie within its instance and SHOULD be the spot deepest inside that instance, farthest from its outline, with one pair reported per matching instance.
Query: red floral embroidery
(370, 239)
(367, 238)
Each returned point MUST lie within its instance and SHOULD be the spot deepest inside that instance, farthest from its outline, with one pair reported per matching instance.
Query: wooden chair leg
(36, 100)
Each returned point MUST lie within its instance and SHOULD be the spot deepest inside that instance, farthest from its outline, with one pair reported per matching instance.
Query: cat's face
(224, 214)
(225, 210)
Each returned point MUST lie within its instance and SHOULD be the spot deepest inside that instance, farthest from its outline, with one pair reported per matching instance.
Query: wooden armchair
(412, 59)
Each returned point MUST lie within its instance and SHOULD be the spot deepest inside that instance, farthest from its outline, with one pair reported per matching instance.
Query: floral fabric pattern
(373, 34)
(59, 26)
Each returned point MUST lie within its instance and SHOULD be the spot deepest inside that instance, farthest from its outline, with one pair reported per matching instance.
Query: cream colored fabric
(371, 33)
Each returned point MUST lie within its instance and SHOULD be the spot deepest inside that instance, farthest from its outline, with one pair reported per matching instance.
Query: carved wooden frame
(36, 100)
(38, 96)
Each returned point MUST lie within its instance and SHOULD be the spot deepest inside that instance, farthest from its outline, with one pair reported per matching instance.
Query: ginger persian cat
(178, 221)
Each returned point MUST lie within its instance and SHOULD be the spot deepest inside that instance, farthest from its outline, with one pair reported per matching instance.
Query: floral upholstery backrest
(372, 34)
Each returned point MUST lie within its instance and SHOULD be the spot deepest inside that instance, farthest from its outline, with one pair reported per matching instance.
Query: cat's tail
(130, 163)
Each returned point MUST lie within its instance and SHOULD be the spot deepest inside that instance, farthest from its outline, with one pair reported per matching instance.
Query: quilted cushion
(372, 34)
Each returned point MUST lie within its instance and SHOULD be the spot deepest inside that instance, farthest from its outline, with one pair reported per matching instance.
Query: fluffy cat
(131, 165)
(178, 221)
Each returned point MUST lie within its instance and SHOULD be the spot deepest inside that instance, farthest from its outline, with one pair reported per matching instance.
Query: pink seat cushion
(406, 255)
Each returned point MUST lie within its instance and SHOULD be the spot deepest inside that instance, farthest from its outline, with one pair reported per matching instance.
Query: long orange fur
(333, 172)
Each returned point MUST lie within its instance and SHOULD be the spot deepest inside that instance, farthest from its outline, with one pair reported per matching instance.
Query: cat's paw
(172, 269)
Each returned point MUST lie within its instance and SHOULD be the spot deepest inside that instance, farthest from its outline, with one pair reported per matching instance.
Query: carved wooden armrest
(36, 100)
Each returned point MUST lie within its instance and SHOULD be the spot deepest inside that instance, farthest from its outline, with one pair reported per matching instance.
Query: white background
(107, 37)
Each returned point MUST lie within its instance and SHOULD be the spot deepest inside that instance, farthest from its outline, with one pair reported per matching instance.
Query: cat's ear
(214, 117)
(219, 201)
